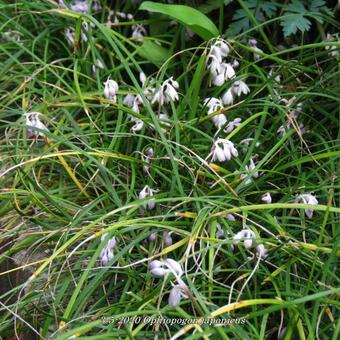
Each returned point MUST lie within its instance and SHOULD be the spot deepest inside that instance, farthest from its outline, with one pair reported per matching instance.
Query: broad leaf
(187, 16)
(156, 54)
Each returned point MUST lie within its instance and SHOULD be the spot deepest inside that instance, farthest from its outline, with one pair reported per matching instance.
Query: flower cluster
(106, 255)
(248, 238)
(307, 199)
(145, 193)
(161, 268)
(223, 150)
(32, 120)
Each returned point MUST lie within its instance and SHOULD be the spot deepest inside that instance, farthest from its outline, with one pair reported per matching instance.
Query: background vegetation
(60, 191)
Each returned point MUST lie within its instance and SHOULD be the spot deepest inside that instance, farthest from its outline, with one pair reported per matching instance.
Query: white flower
(110, 90)
(167, 239)
(228, 97)
(98, 63)
(96, 6)
(106, 255)
(138, 124)
(333, 50)
(247, 236)
(61, 4)
(129, 100)
(233, 124)
(230, 217)
(250, 169)
(213, 105)
(152, 238)
(32, 120)
(147, 192)
(229, 71)
(266, 198)
(147, 159)
(307, 199)
(166, 92)
(219, 49)
(253, 44)
(261, 251)
(235, 63)
(219, 231)
(80, 6)
(163, 267)
(70, 35)
(176, 294)
(223, 150)
(240, 87)
(164, 119)
(221, 74)
(138, 32)
(142, 78)
(11, 35)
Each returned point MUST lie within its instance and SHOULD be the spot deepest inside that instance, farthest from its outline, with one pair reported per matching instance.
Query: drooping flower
(232, 125)
(70, 35)
(147, 192)
(176, 294)
(167, 239)
(149, 154)
(163, 267)
(142, 78)
(110, 90)
(223, 150)
(253, 43)
(246, 236)
(138, 32)
(219, 50)
(32, 120)
(266, 198)
(166, 92)
(307, 199)
(333, 50)
(261, 251)
(240, 87)
(97, 64)
(213, 105)
(106, 255)
(250, 169)
(80, 6)
(228, 97)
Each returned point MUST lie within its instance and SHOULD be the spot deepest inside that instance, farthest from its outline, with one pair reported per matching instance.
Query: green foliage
(261, 9)
(297, 15)
(187, 16)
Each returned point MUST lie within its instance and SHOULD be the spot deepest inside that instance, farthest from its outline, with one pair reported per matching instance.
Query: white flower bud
(266, 198)
(228, 97)
(152, 238)
(308, 199)
(110, 90)
(155, 264)
(174, 266)
(148, 192)
(142, 78)
(261, 251)
(159, 272)
(240, 87)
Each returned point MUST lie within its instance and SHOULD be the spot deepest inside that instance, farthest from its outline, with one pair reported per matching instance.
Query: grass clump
(152, 170)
